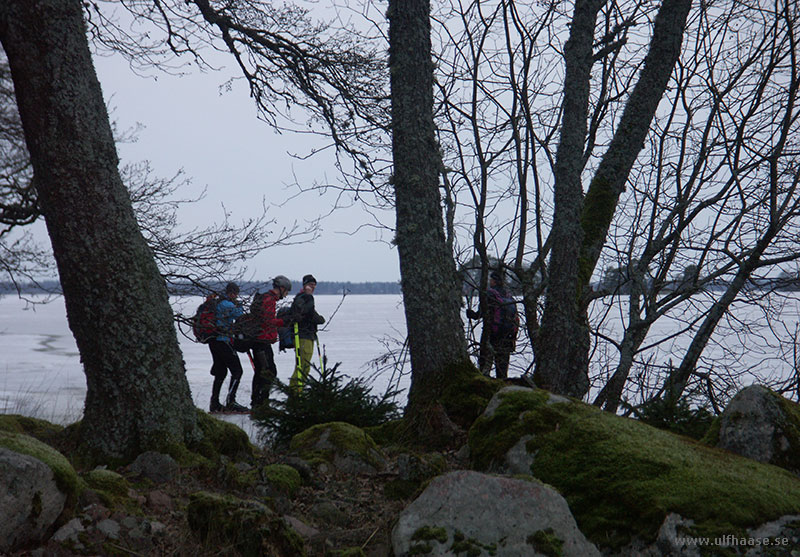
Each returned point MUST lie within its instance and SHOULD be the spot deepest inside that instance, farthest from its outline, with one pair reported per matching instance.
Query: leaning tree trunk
(117, 306)
(431, 291)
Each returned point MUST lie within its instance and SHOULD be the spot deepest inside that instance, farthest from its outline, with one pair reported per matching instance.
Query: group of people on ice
(497, 309)
(264, 323)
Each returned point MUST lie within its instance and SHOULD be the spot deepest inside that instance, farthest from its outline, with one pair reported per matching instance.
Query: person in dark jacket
(502, 335)
(223, 355)
(307, 320)
(263, 355)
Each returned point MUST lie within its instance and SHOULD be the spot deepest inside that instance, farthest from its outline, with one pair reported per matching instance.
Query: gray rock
(306, 532)
(518, 459)
(488, 515)
(109, 528)
(760, 425)
(69, 532)
(30, 501)
(157, 467)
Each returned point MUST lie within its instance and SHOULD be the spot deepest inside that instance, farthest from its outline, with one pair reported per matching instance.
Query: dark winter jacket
(499, 332)
(307, 317)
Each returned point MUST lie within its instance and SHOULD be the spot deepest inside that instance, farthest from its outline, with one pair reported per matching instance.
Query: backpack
(505, 320)
(257, 305)
(204, 322)
(285, 334)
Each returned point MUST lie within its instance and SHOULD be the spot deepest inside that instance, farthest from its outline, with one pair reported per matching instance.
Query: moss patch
(790, 427)
(386, 433)
(466, 397)
(250, 527)
(547, 543)
(325, 440)
(283, 478)
(430, 533)
(220, 437)
(38, 429)
(65, 476)
(621, 477)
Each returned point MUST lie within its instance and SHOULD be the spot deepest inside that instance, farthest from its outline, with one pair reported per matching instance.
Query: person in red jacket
(263, 356)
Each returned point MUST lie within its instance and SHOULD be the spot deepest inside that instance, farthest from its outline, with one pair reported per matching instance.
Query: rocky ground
(335, 512)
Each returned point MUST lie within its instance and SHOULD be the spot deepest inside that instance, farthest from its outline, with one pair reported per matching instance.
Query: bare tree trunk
(612, 174)
(431, 291)
(563, 345)
(562, 364)
(117, 306)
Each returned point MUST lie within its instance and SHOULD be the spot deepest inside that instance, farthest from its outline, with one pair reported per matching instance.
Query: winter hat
(496, 275)
(309, 278)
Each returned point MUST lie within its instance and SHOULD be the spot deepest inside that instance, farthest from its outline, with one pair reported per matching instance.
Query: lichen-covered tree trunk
(117, 305)
(563, 344)
(431, 291)
(580, 226)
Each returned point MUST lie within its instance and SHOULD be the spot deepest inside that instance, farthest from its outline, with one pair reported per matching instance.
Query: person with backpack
(263, 309)
(223, 355)
(305, 327)
(503, 323)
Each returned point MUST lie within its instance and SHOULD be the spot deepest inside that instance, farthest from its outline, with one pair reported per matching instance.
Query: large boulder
(480, 514)
(30, 499)
(348, 448)
(623, 478)
(761, 425)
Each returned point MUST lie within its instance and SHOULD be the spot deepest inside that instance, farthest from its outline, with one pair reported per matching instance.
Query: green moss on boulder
(252, 528)
(467, 395)
(221, 438)
(621, 477)
(283, 478)
(38, 429)
(344, 445)
(65, 476)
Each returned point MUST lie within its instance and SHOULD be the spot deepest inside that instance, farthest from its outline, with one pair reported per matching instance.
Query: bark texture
(431, 291)
(580, 226)
(117, 304)
(562, 356)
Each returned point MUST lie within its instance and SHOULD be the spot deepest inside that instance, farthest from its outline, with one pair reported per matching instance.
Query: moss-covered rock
(42, 430)
(345, 446)
(282, 478)
(220, 438)
(65, 476)
(622, 478)
(465, 398)
(108, 482)
(760, 424)
(386, 433)
(252, 528)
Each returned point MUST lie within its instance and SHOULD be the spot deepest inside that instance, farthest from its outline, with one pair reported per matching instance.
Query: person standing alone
(306, 323)
(223, 356)
(501, 320)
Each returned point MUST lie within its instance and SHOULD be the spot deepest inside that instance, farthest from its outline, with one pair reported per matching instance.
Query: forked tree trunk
(431, 291)
(117, 306)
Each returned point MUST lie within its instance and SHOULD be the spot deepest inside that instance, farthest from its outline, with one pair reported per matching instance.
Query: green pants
(305, 350)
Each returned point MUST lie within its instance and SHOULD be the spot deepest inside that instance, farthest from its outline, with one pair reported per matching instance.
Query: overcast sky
(217, 140)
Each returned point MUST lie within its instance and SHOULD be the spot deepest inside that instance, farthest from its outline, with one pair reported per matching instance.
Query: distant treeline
(248, 287)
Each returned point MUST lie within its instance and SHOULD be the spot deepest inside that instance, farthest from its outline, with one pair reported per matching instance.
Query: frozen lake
(41, 375)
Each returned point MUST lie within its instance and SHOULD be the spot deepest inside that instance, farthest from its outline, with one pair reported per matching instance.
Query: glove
(472, 314)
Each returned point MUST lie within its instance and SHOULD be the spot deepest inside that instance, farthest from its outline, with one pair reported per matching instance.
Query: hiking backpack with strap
(285, 334)
(204, 322)
(248, 325)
